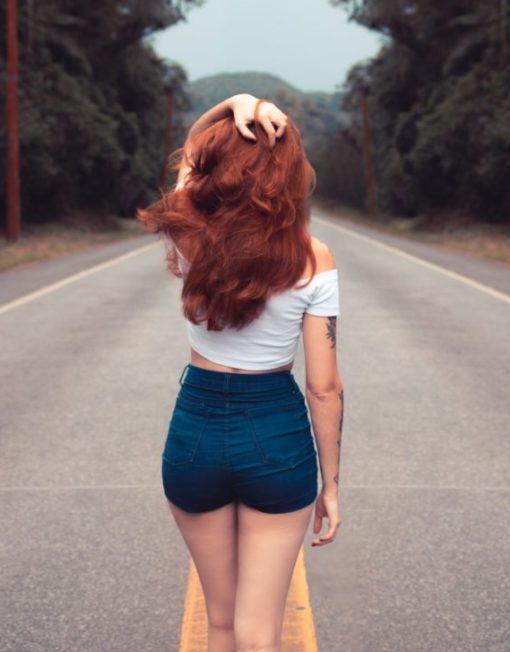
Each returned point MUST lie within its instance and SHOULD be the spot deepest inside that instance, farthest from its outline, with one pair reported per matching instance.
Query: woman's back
(271, 340)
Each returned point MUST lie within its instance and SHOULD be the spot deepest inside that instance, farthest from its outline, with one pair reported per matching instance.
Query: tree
(92, 103)
(439, 104)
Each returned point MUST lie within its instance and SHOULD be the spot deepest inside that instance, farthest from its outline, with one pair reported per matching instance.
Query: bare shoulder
(323, 254)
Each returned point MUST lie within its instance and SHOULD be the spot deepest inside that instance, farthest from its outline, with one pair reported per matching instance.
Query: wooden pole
(370, 201)
(12, 184)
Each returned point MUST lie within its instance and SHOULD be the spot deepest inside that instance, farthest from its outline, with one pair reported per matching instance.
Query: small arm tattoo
(331, 330)
(339, 440)
(341, 397)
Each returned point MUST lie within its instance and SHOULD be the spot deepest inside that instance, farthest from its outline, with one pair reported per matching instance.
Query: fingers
(273, 134)
(280, 130)
(270, 117)
(317, 522)
(334, 524)
(268, 126)
(243, 128)
(277, 118)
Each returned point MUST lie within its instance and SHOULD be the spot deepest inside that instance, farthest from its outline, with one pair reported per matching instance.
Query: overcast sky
(308, 43)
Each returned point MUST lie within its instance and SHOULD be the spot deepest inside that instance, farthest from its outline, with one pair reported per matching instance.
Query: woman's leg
(212, 541)
(268, 548)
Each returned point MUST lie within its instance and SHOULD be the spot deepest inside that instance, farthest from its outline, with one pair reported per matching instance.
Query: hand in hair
(244, 107)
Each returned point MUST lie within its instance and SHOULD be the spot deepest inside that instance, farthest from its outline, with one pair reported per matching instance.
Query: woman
(239, 466)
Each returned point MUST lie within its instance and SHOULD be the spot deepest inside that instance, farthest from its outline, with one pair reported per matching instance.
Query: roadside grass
(50, 239)
(449, 229)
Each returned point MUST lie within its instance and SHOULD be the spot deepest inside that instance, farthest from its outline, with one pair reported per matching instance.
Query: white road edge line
(74, 277)
(421, 261)
(6, 307)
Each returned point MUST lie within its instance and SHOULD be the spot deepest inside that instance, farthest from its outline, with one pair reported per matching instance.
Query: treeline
(92, 97)
(439, 106)
(93, 106)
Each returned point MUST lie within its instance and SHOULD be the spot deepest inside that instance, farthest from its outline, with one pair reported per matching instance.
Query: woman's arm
(325, 398)
(242, 106)
(217, 112)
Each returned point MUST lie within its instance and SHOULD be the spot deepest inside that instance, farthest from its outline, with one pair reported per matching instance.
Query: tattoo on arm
(341, 397)
(339, 440)
(331, 335)
(331, 330)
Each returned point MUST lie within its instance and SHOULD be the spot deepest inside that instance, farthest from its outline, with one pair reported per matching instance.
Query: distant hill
(208, 91)
(317, 114)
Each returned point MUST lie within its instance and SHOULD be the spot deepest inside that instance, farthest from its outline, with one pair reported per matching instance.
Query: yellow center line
(298, 634)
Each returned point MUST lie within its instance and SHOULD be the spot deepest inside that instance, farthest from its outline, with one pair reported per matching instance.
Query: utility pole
(12, 185)
(370, 201)
(168, 137)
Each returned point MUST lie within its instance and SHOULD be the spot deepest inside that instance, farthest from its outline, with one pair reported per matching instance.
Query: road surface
(93, 346)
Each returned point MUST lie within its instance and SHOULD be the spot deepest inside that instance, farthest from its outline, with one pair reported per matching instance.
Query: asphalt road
(90, 559)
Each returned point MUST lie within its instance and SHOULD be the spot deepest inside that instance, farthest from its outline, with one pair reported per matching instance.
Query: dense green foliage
(439, 104)
(92, 104)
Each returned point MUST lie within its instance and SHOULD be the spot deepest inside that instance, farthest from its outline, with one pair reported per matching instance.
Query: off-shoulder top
(270, 340)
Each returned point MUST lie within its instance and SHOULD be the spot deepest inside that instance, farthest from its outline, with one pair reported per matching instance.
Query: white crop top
(270, 340)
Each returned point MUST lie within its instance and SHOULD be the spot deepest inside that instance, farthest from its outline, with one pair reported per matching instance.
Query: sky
(308, 43)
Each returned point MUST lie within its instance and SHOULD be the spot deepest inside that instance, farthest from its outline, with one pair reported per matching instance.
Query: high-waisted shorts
(239, 437)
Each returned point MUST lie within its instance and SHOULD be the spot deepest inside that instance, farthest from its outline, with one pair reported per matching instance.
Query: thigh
(268, 548)
(211, 538)
(196, 484)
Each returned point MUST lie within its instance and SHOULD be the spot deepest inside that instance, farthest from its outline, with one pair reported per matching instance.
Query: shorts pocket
(282, 433)
(185, 431)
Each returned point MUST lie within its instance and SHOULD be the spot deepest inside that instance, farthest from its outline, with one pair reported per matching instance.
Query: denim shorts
(239, 437)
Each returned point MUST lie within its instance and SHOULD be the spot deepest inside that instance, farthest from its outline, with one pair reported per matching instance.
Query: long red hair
(244, 213)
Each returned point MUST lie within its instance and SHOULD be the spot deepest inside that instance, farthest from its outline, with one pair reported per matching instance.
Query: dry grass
(450, 230)
(48, 240)
(453, 231)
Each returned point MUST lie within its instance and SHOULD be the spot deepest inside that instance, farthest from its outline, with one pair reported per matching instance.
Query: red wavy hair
(244, 213)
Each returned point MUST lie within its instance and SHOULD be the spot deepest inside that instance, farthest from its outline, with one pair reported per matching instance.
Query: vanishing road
(93, 344)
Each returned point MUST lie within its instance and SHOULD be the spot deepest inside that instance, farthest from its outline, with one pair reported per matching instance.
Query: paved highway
(93, 346)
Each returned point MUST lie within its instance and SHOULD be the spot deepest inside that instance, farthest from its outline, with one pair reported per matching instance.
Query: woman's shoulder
(325, 259)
